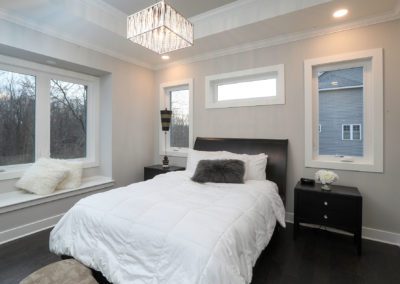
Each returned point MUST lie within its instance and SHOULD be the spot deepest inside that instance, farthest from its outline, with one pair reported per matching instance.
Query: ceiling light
(334, 83)
(165, 57)
(340, 13)
(160, 28)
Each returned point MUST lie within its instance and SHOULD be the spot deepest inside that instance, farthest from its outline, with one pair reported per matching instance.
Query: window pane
(356, 132)
(179, 132)
(68, 120)
(247, 90)
(17, 118)
(346, 132)
(340, 102)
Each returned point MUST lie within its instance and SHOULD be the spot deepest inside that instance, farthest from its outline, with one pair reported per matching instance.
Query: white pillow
(74, 176)
(194, 157)
(42, 177)
(257, 165)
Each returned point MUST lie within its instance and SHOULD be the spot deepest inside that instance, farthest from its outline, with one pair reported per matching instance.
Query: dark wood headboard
(276, 149)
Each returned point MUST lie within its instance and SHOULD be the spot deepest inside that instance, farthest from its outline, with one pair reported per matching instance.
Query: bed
(173, 230)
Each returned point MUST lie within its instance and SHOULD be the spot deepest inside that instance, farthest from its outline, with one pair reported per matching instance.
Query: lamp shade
(165, 119)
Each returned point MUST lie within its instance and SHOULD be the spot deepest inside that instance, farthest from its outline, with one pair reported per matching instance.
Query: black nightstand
(340, 208)
(152, 171)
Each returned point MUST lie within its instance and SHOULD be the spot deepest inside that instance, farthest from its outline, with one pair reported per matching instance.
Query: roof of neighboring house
(341, 78)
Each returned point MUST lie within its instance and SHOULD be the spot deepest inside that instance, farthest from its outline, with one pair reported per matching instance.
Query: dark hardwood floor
(315, 257)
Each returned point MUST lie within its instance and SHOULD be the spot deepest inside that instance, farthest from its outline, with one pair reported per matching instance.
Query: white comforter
(172, 230)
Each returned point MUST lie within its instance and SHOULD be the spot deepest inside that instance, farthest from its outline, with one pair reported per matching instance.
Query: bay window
(45, 112)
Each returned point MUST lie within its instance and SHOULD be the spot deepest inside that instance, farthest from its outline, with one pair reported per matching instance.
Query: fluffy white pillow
(195, 156)
(42, 177)
(257, 165)
(74, 176)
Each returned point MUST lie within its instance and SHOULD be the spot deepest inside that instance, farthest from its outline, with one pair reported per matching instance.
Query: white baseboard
(367, 233)
(28, 229)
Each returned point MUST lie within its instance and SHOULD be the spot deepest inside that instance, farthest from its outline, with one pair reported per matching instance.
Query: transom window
(45, 112)
(344, 111)
(261, 86)
(177, 97)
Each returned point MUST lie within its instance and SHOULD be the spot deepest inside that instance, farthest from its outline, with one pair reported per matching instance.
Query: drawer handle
(326, 203)
(326, 217)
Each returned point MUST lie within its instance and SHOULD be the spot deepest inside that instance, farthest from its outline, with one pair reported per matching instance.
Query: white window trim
(373, 113)
(238, 76)
(43, 75)
(164, 103)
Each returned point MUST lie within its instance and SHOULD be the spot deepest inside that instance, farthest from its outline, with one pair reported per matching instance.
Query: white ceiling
(221, 26)
(185, 7)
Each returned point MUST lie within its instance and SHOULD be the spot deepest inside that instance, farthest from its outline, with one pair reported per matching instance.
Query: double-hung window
(344, 111)
(252, 87)
(177, 97)
(45, 112)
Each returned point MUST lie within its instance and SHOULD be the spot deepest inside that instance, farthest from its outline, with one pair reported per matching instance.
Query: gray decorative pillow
(219, 171)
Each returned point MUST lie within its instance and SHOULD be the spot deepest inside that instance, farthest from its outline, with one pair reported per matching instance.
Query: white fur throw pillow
(74, 176)
(42, 177)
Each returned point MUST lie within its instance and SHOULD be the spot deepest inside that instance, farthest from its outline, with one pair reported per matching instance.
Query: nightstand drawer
(337, 219)
(317, 202)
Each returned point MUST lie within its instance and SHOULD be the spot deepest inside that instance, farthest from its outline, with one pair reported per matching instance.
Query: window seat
(18, 199)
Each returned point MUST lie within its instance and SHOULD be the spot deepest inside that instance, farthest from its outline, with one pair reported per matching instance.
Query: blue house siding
(338, 107)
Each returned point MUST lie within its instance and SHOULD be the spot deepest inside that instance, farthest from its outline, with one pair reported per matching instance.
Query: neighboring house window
(177, 96)
(45, 112)
(351, 132)
(338, 89)
(346, 132)
(261, 86)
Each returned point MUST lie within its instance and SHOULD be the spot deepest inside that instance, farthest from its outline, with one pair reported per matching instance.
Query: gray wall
(381, 192)
(338, 107)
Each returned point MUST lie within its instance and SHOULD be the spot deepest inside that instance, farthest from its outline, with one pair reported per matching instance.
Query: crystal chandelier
(160, 28)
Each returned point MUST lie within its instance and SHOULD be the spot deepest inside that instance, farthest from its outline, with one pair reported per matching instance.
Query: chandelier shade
(160, 28)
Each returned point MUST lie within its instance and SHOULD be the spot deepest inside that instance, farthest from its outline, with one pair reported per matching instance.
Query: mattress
(172, 230)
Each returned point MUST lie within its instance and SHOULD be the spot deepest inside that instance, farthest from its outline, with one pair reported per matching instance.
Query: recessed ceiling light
(334, 83)
(165, 57)
(340, 13)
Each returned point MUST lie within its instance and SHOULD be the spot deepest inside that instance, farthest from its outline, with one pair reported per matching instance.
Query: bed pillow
(194, 157)
(74, 176)
(219, 171)
(42, 177)
(256, 166)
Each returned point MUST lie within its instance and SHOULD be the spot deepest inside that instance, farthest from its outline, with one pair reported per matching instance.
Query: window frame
(248, 75)
(372, 161)
(165, 103)
(43, 75)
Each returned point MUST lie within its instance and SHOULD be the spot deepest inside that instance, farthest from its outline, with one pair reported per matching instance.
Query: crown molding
(245, 12)
(50, 32)
(279, 40)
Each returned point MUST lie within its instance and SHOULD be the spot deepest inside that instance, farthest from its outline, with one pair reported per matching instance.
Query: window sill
(18, 199)
(344, 165)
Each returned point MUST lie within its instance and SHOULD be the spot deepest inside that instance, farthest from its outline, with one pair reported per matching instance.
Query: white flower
(326, 177)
